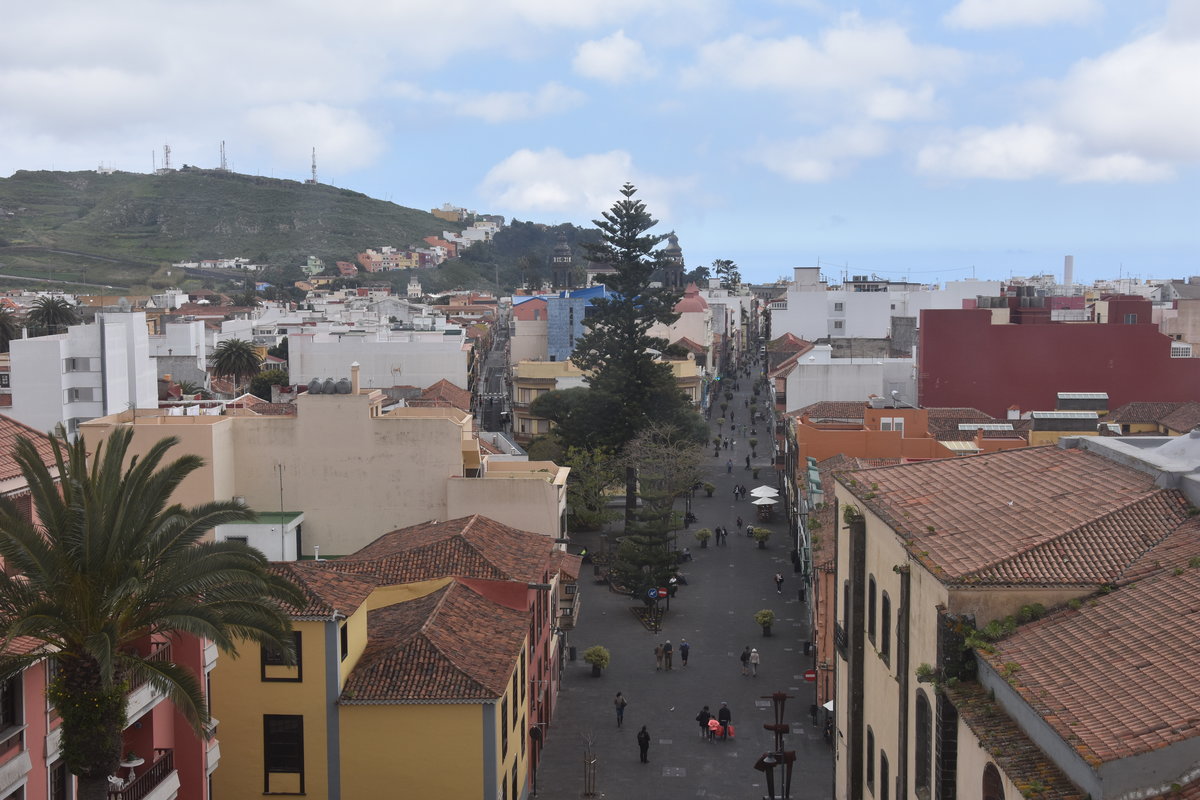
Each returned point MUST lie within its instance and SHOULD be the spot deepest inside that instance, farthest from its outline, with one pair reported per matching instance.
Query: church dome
(691, 301)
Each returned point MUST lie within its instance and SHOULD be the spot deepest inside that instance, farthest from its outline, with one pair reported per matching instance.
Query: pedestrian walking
(684, 649)
(703, 717)
(739, 523)
(658, 658)
(619, 704)
(729, 465)
(747, 462)
(745, 659)
(779, 582)
(668, 651)
(743, 492)
(735, 492)
(724, 716)
(643, 739)
(754, 659)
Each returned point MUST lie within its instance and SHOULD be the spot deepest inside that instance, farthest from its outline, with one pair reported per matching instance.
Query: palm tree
(10, 328)
(52, 313)
(236, 359)
(111, 563)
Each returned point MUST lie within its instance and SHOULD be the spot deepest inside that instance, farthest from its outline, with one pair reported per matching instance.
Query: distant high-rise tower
(671, 259)
(1069, 271)
(561, 263)
(313, 179)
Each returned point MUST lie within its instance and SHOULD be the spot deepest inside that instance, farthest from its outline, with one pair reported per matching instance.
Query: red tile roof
(10, 431)
(1014, 753)
(1041, 515)
(452, 644)
(443, 394)
(567, 564)
(834, 410)
(789, 343)
(1142, 413)
(470, 547)
(1118, 676)
(1182, 419)
(328, 591)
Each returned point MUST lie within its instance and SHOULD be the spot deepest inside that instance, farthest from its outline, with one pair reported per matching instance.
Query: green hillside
(122, 228)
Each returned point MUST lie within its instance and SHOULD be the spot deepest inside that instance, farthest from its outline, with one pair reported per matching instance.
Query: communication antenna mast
(166, 156)
(313, 179)
(224, 164)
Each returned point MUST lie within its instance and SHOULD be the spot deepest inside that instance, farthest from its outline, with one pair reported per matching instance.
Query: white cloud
(983, 14)
(549, 181)
(551, 98)
(613, 59)
(1117, 117)
(1025, 151)
(855, 55)
(343, 139)
(816, 159)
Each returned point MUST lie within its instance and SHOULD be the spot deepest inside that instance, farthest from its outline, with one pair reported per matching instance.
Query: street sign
(810, 675)
(652, 594)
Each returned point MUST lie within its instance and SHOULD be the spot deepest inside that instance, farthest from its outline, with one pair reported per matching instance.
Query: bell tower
(561, 263)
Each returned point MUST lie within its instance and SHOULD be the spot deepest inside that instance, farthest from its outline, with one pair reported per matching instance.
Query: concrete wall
(528, 342)
(421, 361)
(848, 379)
(524, 503)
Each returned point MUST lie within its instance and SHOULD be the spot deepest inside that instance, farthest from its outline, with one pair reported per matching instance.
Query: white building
(387, 358)
(815, 375)
(812, 312)
(90, 371)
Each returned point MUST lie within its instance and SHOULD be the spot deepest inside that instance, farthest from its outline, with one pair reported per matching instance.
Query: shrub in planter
(761, 535)
(702, 536)
(709, 489)
(598, 656)
(765, 618)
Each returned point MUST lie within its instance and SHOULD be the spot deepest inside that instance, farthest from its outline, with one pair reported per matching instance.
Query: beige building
(352, 469)
(936, 559)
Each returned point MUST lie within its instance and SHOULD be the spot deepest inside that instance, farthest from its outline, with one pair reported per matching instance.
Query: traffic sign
(652, 594)
(810, 675)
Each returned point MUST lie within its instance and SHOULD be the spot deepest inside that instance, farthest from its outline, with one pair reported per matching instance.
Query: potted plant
(598, 656)
(132, 759)
(755, 473)
(720, 423)
(702, 536)
(761, 535)
(709, 489)
(754, 448)
(765, 618)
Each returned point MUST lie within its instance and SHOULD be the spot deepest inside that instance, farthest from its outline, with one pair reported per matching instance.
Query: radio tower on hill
(313, 179)
(224, 163)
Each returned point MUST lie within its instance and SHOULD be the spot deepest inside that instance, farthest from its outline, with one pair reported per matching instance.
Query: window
(891, 424)
(885, 627)
(883, 776)
(924, 754)
(846, 604)
(839, 306)
(81, 394)
(344, 635)
(274, 668)
(77, 365)
(4, 380)
(871, 609)
(283, 753)
(870, 759)
(993, 787)
(59, 781)
(838, 324)
(239, 539)
(1131, 319)
(504, 727)
(570, 588)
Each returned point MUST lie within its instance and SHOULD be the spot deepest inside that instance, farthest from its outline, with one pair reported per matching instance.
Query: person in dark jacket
(703, 717)
(724, 716)
(643, 738)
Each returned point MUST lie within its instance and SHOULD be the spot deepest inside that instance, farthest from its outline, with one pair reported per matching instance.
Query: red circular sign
(810, 675)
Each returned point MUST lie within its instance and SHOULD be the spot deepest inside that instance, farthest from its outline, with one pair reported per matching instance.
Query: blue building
(565, 313)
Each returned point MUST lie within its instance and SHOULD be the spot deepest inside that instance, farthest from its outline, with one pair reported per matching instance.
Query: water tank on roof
(343, 386)
(328, 387)
(314, 386)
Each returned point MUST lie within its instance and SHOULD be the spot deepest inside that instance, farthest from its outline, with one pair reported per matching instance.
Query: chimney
(354, 378)
(1069, 270)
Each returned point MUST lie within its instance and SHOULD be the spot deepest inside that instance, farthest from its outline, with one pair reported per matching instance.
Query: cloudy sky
(926, 139)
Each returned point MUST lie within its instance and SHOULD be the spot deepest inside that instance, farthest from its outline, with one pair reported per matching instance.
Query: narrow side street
(714, 612)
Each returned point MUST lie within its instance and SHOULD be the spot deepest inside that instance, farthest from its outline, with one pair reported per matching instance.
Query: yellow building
(416, 658)
(344, 451)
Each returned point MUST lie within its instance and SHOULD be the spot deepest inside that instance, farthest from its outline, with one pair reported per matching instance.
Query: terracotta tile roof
(1141, 413)
(688, 344)
(24, 645)
(274, 409)
(1146, 696)
(1182, 419)
(328, 591)
(452, 644)
(1041, 515)
(944, 422)
(788, 343)
(567, 564)
(470, 547)
(960, 415)
(1014, 753)
(443, 393)
(10, 431)
(841, 410)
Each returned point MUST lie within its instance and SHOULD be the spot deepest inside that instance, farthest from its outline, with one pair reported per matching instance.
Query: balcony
(159, 782)
(15, 762)
(143, 696)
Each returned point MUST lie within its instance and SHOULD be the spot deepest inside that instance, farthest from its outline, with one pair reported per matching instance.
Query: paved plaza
(714, 613)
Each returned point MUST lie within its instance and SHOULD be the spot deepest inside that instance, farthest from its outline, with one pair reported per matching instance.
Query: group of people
(750, 661)
(710, 725)
(739, 492)
(664, 655)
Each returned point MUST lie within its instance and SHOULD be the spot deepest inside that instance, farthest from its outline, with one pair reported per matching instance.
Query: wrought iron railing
(143, 784)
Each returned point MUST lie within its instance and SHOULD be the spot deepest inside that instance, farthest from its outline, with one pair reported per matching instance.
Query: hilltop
(122, 228)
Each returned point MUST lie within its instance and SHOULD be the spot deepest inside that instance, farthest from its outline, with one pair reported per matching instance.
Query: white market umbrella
(765, 501)
(764, 491)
